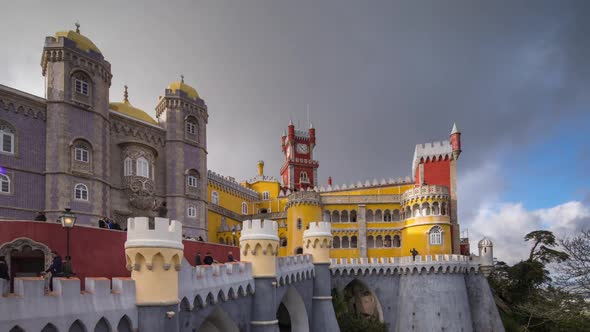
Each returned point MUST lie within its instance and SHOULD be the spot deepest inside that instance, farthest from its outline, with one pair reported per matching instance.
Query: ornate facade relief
(24, 244)
(139, 189)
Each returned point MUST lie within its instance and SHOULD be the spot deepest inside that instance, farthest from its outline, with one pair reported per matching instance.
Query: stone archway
(218, 321)
(361, 300)
(25, 256)
(291, 313)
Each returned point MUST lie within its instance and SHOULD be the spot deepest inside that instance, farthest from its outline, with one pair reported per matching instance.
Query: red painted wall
(96, 252)
(438, 172)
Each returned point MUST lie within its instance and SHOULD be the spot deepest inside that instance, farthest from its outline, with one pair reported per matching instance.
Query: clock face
(302, 148)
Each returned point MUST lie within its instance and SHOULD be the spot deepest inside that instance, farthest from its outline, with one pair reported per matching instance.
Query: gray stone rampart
(292, 269)
(31, 308)
(484, 311)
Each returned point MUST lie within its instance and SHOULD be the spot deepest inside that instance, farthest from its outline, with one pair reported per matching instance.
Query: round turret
(317, 241)
(151, 250)
(259, 245)
(303, 207)
(486, 256)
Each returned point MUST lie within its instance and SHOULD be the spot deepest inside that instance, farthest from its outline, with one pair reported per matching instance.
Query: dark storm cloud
(379, 76)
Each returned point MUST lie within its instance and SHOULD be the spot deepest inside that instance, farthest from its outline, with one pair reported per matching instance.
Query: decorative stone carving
(19, 243)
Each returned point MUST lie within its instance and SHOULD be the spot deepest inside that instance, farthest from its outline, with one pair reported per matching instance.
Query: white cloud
(483, 213)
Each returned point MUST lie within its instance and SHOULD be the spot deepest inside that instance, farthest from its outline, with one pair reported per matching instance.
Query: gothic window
(369, 215)
(443, 209)
(215, 197)
(81, 192)
(425, 209)
(6, 138)
(336, 242)
(408, 213)
(191, 211)
(396, 241)
(265, 195)
(370, 241)
(299, 223)
(387, 241)
(81, 153)
(344, 216)
(416, 210)
(244, 208)
(353, 241)
(396, 216)
(379, 241)
(378, 215)
(435, 236)
(353, 216)
(335, 216)
(345, 242)
(128, 167)
(303, 178)
(4, 184)
(435, 209)
(142, 167)
(192, 128)
(387, 215)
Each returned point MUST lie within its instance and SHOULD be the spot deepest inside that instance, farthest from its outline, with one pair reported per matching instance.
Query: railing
(427, 190)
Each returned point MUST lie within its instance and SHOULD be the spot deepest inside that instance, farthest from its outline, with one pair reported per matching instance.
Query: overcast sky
(379, 77)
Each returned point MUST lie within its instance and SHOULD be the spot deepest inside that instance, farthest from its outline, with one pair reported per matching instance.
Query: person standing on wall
(208, 259)
(40, 216)
(4, 275)
(55, 269)
(230, 257)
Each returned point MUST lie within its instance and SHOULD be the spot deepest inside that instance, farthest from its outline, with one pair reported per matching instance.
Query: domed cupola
(485, 242)
(129, 110)
(177, 86)
(80, 41)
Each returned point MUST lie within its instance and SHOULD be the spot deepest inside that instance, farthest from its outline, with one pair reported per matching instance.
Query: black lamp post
(68, 220)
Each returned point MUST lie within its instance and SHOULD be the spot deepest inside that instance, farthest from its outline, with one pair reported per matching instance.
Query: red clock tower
(300, 170)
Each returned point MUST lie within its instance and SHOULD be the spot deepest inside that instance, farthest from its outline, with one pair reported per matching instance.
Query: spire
(283, 133)
(126, 95)
(77, 27)
(310, 125)
(181, 79)
(290, 122)
(454, 130)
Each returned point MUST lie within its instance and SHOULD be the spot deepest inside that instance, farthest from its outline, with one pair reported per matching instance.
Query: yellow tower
(259, 245)
(303, 207)
(317, 241)
(260, 167)
(153, 253)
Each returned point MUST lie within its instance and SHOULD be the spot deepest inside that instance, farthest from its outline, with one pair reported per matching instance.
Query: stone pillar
(362, 224)
(154, 257)
(317, 241)
(259, 245)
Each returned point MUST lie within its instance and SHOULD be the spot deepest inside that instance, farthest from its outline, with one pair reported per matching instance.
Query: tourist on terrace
(102, 223)
(55, 269)
(230, 257)
(198, 259)
(4, 275)
(208, 259)
(68, 271)
(40, 216)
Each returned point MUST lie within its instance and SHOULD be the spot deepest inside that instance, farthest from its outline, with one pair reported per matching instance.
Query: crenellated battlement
(318, 229)
(405, 265)
(67, 303)
(309, 197)
(259, 229)
(432, 150)
(162, 233)
(291, 269)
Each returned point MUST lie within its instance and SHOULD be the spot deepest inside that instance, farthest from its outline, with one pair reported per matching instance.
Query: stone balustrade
(291, 269)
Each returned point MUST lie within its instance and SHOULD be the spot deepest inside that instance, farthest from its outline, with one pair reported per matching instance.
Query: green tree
(352, 322)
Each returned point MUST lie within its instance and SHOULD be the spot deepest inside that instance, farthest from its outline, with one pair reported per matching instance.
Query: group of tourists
(208, 260)
(106, 222)
(58, 268)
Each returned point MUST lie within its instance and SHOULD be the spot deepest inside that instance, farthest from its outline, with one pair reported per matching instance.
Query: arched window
(192, 128)
(335, 216)
(128, 167)
(344, 216)
(142, 167)
(336, 242)
(443, 209)
(397, 241)
(408, 213)
(379, 242)
(387, 215)
(435, 236)
(303, 178)
(353, 241)
(6, 138)
(299, 223)
(425, 209)
(345, 243)
(435, 209)
(387, 241)
(266, 195)
(221, 240)
(396, 216)
(191, 212)
(353, 216)
(4, 184)
(215, 197)
(82, 152)
(370, 241)
(378, 215)
(369, 215)
(416, 210)
(283, 241)
(244, 208)
(192, 181)
(81, 192)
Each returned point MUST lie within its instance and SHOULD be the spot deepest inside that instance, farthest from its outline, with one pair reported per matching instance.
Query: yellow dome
(126, 108)
(81, 41)
(180, 85)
